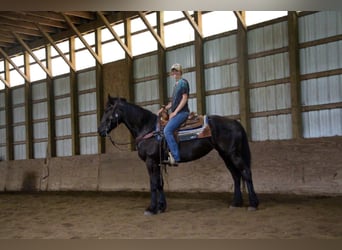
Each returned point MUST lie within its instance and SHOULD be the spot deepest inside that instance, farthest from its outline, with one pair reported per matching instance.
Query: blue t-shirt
(179, 89)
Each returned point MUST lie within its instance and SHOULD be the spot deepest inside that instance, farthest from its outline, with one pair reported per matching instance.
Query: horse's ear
(109, 97)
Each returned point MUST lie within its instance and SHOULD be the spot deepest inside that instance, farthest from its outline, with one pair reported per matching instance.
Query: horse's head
(112, 116)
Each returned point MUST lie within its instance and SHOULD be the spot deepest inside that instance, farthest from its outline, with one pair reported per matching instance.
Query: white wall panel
(19, 152)
(146, 91)
(19, 114)
(145, 66)
(88, 123)
(18, 95)
(322, 90)
(321, 57)
(63, 127)
(2, 99)
(88, 145)
(271, 128)
(40, 130)
(269, 98)
(87, 102)
(40, 150)
(223, 104)
(266, 38)
(220, 49)
(61, 86)
(39, 91)
(320, 25)
(2, 117)
(185, 56)
(221, 77)
(3, 153)
(86, 80)
(3, 136)
(322, 123)
(62, 106)
(19, 133)
(64, 147)
(268, 68)
(39, 110)
(192, 103)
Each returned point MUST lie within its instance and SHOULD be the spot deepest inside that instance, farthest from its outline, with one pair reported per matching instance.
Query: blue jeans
(169, 130)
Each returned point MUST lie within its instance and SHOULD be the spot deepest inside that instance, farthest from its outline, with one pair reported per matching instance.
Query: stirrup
(170, 161)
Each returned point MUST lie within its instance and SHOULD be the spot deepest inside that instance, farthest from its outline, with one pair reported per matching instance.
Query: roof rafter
(47, 71)
(193, 23)
(241, 17)
(4, 81)
(14, 65)
(74, 28)
(52, 42)
(149, 26)
(116, 36)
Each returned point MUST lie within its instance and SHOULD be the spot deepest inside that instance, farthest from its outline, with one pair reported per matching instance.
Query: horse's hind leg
(237, 198)
(246, 174)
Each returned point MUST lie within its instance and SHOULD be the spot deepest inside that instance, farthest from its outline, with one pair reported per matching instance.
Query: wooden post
(294, 74)
(242, 49)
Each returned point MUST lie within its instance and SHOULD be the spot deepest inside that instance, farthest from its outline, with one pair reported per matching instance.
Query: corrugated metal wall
(19, 128)
(63, 116)
(321, 94)
(3, 136)
(40, 119)
(87, 112)
(146, 82)
(221, 76)
(269, 83)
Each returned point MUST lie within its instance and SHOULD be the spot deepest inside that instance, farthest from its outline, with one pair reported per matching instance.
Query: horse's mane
(140, 114)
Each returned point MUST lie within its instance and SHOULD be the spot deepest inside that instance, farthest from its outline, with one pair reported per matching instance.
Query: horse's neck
(139, 122)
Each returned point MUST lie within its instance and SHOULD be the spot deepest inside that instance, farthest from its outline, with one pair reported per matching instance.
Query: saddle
(195, 127)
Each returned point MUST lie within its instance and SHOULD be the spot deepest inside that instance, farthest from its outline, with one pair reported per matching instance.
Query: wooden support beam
(243, 76)
(193, 24)
(51, 147)
(162, 73)
(115, 35)
(28, 110)
(99, 91)
(5, 82)
(14, 65)
(74, 103)
(74, 28)
(199, 65)
(240, 16)
(47, 71)
(52, 42)
(150, 28)
(294, 65)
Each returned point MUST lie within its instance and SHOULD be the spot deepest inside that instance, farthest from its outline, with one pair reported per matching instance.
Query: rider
(179, 112)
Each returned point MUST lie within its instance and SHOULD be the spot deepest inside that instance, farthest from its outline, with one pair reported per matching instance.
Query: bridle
(115, 144)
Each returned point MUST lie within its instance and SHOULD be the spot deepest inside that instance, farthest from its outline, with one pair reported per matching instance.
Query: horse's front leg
(157, 204)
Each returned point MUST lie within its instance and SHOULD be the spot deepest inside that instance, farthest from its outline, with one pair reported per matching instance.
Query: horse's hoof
(233, 207)
(160, 211)
(252, 209)
(148, 213)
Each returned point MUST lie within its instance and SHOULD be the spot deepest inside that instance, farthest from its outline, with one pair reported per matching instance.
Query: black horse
(228, 137)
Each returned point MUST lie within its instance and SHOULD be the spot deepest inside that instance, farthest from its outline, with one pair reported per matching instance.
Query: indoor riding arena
(279, 74)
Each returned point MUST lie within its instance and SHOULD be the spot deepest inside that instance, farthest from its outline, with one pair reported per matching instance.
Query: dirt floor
(117, 215)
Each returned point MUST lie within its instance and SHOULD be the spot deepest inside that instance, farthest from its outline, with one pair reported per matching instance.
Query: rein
(116, 145)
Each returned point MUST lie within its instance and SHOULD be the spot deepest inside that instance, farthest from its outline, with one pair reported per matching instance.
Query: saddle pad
(197, 133)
